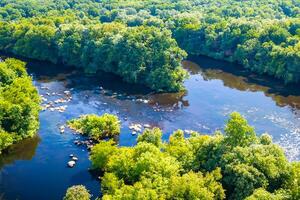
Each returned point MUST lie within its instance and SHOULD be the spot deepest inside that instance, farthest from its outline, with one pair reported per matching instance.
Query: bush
(78, 192)
(97, 127)
(152, 136)
(6, 140)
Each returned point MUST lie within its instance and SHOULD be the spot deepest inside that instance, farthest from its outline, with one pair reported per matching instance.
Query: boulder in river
(71, 163)
(136, 127)
(147, 126)
(74, 158)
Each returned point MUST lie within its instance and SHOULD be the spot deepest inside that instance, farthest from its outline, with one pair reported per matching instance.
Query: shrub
(78, 192)
(97, 127)
(152, 136)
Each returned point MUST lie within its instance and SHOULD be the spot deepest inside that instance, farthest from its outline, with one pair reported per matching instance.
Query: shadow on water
(24, 150)
(76, 79)
(236, 77)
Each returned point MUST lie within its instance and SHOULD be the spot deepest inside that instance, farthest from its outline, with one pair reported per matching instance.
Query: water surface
(36, 168)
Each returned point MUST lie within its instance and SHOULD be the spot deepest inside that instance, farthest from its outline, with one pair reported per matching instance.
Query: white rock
(67, 92)
(136, 127)
(147, 126)
(71, 163)
(74, 158)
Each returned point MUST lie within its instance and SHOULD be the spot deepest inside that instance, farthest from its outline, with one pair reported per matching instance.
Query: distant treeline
(134, 38)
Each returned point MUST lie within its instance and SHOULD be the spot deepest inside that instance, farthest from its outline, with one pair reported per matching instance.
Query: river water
(36, 168)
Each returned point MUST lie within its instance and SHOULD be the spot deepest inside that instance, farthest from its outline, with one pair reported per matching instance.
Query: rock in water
(147, 126)
(74, 158)
(71, 163)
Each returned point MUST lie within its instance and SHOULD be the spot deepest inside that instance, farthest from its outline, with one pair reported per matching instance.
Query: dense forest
(19, 104)
(141, 41)
(235, 165)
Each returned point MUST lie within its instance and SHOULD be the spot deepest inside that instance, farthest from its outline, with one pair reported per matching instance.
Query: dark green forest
(145, 41)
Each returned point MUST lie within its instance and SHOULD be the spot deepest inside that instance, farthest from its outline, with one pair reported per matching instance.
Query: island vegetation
(235, 165)
(96, 127)
(19, 104)
(145, 41)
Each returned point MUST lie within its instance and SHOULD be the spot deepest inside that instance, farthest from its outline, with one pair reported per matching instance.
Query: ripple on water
(290, 138)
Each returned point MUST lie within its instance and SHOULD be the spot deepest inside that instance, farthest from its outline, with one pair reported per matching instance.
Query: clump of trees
(19, 103)
(144, 55)
(77, 192)
(96, 127)
(235, 165)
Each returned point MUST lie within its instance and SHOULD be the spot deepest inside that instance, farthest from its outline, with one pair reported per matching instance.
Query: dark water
(36, 168)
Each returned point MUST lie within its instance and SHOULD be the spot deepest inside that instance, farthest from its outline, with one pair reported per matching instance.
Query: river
(37, 168)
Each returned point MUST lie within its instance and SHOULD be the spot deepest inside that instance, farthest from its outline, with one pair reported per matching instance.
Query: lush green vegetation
(19, 103)
(97, 127)
(134, 38)
(77, 192)
(144, 54)
(235, 165)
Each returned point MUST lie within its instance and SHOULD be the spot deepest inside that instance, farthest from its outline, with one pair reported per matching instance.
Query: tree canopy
(19, 103)
(197, 167)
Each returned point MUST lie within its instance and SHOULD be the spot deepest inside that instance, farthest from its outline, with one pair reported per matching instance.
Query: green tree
(78, 192)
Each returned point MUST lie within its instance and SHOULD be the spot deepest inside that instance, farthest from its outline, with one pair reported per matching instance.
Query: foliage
(97, 127)
(152, 136)
(19, 103)
(77, 192)
(146, 54)
(262, 194)
(236, 165)
(6, 139)
(238, 132)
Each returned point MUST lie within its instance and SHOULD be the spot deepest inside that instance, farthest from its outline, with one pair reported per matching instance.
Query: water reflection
(24, 150)
(235, 77)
